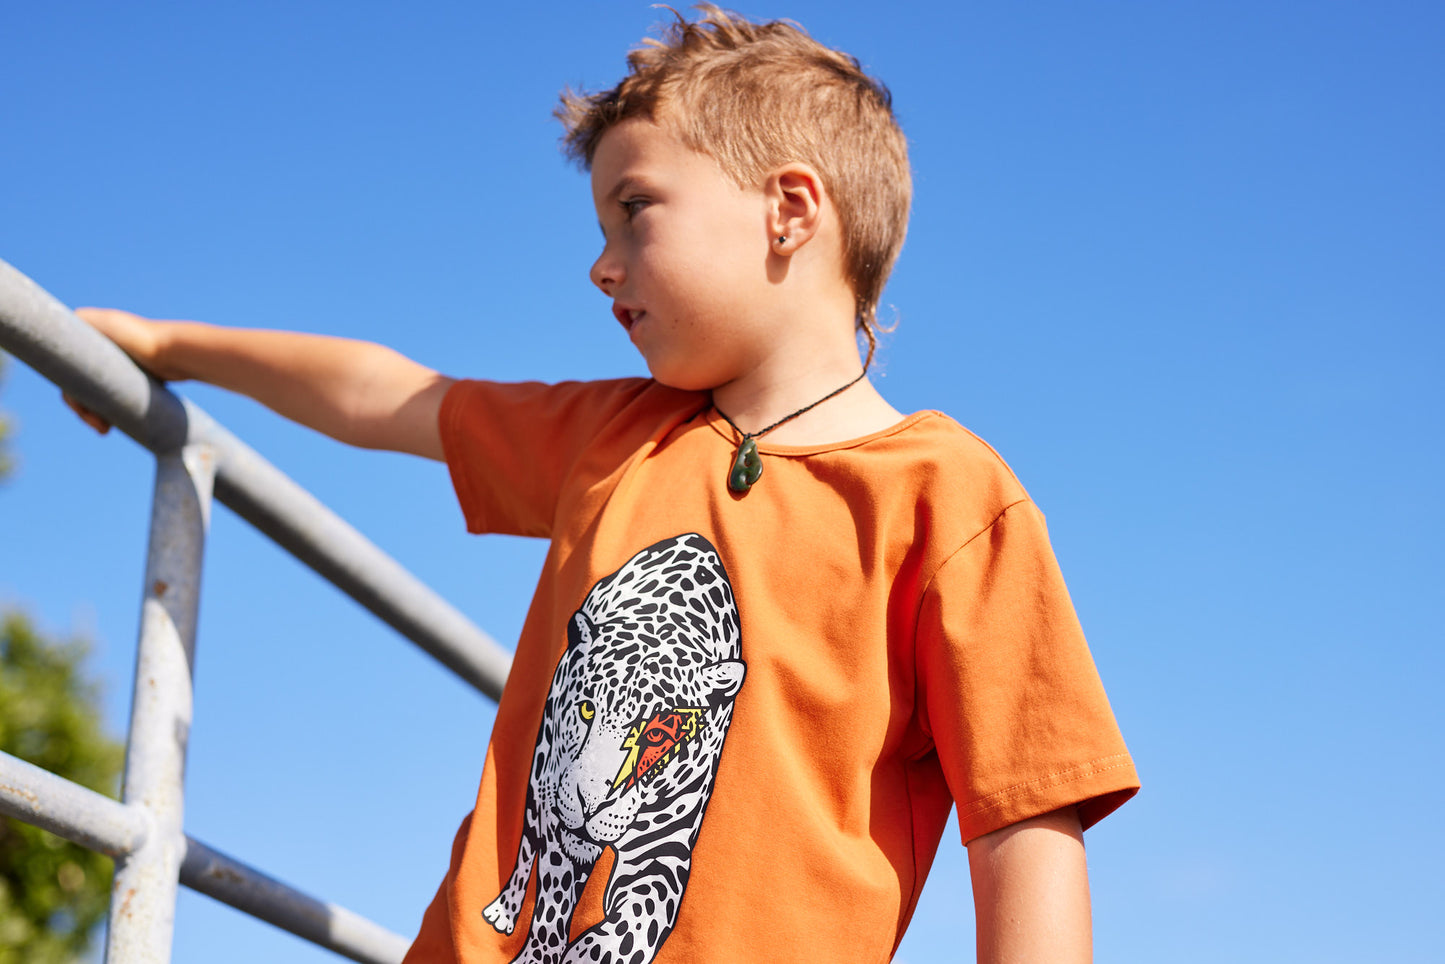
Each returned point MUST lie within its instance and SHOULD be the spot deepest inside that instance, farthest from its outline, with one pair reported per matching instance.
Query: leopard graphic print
(631, 737)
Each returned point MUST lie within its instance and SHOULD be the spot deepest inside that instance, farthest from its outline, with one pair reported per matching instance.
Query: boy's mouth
(627, 317)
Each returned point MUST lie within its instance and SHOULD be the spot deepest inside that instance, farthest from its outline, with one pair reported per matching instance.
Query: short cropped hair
(755, 96)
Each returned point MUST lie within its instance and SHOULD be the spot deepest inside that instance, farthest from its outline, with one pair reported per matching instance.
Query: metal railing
(196, 457)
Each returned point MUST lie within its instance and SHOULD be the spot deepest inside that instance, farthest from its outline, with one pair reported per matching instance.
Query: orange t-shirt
(762, 703)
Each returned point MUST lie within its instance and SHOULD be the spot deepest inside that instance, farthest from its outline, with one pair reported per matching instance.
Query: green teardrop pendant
(747, 467)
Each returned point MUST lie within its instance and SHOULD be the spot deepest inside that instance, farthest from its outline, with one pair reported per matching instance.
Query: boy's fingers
(101, 319)
(138, 337)
(98, 316)
(86, 415)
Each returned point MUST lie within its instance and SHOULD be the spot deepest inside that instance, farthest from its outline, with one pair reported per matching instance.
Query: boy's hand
(86, 415)
(138, 337)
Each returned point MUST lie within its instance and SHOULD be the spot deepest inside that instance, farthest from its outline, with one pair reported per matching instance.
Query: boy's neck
(805, 349)
(763, 397)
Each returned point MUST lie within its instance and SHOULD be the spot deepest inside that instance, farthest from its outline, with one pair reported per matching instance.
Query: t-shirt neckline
(722, 428)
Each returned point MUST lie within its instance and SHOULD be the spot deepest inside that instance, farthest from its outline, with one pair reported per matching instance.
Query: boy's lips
(626, 316)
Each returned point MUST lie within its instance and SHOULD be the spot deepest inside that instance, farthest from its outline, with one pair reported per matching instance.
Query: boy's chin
(681, 380)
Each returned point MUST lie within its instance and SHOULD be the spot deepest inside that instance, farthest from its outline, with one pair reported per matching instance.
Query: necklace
(747, 464)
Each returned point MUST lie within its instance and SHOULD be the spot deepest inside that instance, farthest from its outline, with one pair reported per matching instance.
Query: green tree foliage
(52, 892)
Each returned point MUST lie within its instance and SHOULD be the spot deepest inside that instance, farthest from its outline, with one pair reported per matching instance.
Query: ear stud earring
(782, 239)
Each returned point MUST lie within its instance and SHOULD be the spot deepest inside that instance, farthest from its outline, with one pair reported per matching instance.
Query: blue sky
(1180, 263)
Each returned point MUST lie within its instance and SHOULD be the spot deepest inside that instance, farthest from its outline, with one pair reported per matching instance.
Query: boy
(781, 627)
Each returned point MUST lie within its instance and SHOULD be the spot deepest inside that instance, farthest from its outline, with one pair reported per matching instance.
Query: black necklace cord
(747, 464)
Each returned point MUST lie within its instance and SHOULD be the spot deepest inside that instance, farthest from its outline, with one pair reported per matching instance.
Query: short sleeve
(510, 446)
(1008, 689)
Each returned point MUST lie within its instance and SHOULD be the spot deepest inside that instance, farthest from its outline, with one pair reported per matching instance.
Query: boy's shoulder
(571, 407)
(950, 467)
(943, 438)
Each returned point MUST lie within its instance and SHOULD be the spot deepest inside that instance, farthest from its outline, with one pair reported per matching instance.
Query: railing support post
(143, 901)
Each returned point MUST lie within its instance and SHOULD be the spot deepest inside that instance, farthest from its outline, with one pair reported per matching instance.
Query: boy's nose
(606, 273)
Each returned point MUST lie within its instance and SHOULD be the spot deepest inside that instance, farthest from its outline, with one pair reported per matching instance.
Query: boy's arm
(354, 391)
(1031, 892)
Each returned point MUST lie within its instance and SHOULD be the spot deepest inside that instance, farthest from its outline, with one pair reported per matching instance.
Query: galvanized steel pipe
(232, 882)
(43, 333)
(69, 810)
(99, 823)
(143, 895)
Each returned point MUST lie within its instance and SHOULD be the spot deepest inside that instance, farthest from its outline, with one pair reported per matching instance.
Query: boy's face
(685, 258)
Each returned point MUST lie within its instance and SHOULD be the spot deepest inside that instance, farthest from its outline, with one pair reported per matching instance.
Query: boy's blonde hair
(756, 96)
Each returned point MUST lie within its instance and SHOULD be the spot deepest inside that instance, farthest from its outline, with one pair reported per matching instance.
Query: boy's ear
(795, 200)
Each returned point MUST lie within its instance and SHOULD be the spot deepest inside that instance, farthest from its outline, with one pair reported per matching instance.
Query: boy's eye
(632, 205)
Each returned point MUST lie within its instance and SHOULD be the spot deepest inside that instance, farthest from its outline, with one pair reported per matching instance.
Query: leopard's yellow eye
(586, 710)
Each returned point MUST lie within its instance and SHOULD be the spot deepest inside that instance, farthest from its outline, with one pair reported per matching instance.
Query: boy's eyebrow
(626, 182)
